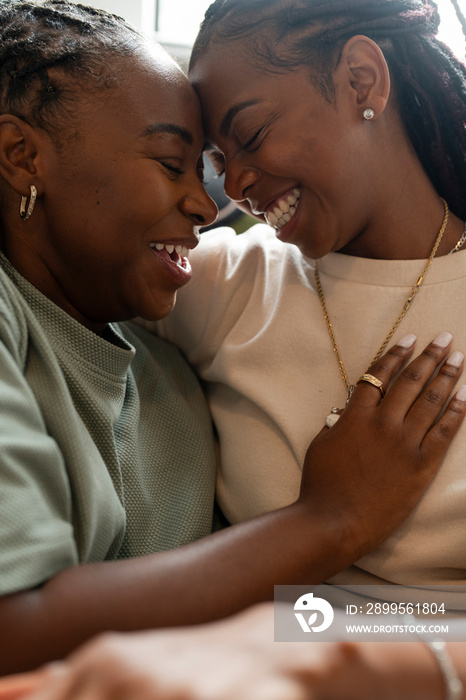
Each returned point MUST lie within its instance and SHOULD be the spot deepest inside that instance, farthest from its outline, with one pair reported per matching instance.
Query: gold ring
(370, 379)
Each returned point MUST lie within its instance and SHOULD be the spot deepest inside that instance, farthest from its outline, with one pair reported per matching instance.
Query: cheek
(138, 198)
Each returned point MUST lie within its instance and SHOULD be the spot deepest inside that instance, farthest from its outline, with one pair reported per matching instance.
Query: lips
(280, 213)
(174, 259)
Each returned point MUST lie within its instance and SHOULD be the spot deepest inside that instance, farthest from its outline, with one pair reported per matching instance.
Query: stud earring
(25, 209)
(368, 114)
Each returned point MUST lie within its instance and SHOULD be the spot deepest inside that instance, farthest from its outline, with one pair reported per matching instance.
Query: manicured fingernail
(461, 393)
(443, 340)
(407, 341)
(455, 359)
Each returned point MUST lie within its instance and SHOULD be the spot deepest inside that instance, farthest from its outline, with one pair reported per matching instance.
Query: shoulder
(232, 275)
(224, 260)
(13, 321)
(224, 245)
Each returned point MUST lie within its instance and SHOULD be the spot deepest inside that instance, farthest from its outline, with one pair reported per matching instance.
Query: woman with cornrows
(343, 126)
(106, 447)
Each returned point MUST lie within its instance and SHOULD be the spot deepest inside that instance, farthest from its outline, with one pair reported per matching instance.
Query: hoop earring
(368, 114)
(25, 209)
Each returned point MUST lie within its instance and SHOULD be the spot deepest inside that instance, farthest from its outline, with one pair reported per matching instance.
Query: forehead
(227, 68)
(151, 89)
(228, 78)
(233, 58)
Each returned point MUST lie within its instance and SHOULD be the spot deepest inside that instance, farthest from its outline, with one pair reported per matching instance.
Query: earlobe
(367, 74)
(18, 153)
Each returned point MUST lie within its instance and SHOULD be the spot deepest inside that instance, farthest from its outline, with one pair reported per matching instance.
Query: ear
(364, 68)
(19, 149)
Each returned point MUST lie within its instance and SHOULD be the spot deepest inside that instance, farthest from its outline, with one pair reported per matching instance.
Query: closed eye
(172, 168)
(255, 141)
(252, 141)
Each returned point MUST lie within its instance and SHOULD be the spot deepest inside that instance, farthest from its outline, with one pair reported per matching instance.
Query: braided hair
(49, 50)
(429, 81)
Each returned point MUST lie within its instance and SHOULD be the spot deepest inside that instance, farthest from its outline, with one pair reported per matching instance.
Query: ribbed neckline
(392, 273)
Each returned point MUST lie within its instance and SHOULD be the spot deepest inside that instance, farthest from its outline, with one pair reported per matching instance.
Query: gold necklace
(460, 243)
(350, 387)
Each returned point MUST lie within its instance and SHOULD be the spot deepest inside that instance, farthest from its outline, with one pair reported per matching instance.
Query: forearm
(238, 656)
(203, 581)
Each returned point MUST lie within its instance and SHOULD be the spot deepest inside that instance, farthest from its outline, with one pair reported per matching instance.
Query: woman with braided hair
(342, 124)
(106, 446)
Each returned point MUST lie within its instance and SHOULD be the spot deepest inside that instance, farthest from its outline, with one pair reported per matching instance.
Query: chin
(315, 250)
(306, 250)
(158, 309)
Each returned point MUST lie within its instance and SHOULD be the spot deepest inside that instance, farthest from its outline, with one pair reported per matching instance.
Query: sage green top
(106, 447)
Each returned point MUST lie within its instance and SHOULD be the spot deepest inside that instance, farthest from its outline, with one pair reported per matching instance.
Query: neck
(406, 213)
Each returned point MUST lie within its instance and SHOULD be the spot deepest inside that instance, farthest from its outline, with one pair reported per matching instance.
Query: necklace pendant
(350, 391)
(332, 417)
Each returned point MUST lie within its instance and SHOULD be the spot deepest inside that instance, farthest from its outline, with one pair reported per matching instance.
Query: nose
(199, 207)
(239, 178)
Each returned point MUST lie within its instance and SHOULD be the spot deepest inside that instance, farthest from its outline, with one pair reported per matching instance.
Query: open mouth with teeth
(177, 254)
(283, 210)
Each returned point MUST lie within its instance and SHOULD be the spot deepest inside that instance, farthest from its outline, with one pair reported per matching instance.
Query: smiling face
(120, 204)
(303, 163)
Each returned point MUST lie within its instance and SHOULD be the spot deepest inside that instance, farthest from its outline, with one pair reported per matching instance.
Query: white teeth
(284, 211)
(182, 250)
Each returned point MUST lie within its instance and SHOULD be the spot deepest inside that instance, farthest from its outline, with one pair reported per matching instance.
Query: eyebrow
(167, 128)
(231, 114)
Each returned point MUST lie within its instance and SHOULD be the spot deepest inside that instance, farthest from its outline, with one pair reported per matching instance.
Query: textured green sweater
(106, 447)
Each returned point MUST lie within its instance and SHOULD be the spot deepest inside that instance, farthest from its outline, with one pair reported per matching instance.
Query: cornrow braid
(50, 48)
(429, 81)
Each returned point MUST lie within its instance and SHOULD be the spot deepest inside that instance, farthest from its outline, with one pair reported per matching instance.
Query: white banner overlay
(328, 613)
